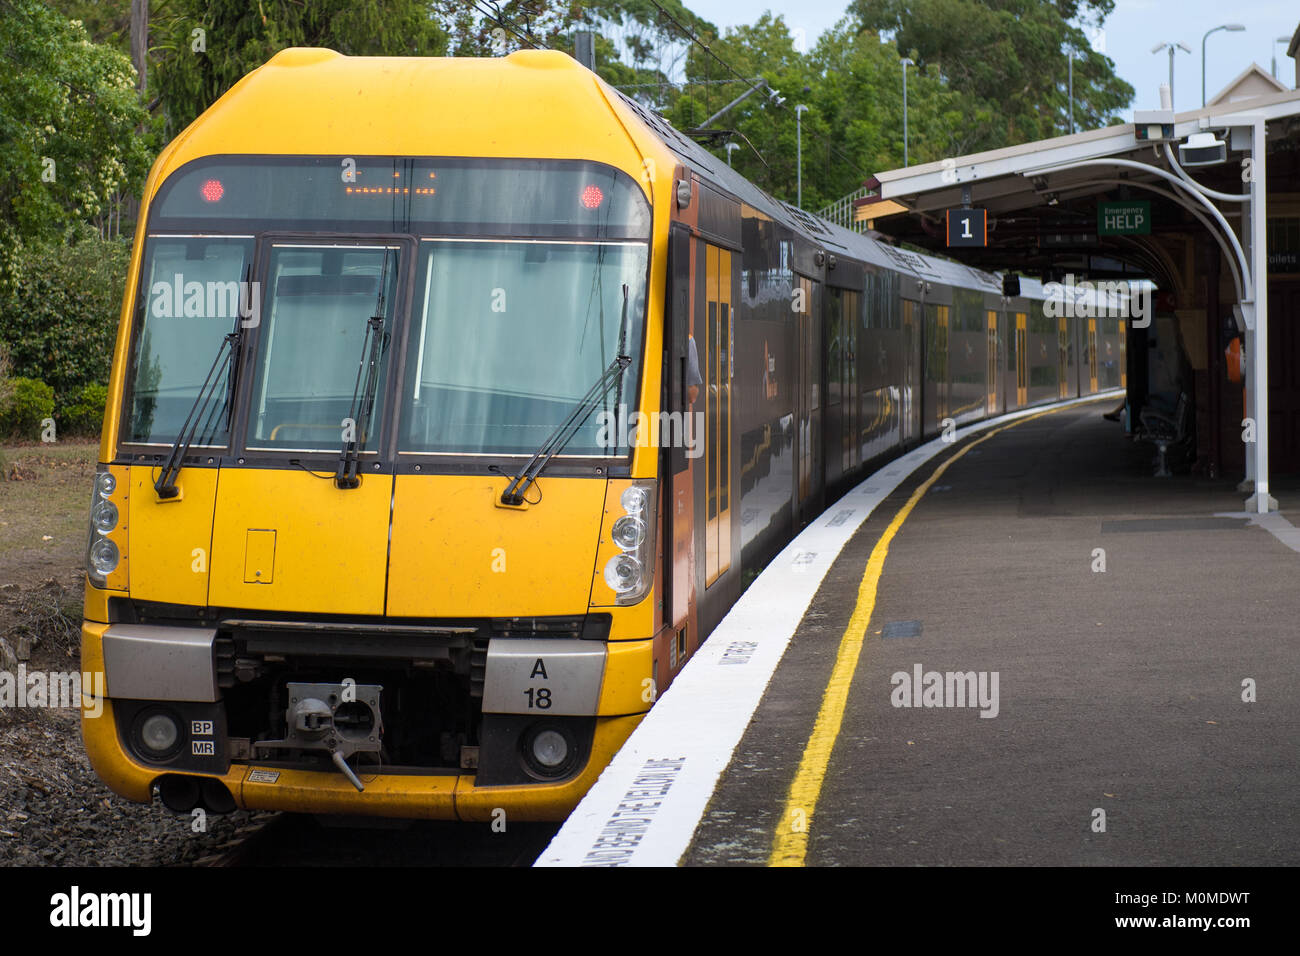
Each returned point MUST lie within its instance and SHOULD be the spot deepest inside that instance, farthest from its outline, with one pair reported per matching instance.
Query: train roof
(362, 94)
(833, 237)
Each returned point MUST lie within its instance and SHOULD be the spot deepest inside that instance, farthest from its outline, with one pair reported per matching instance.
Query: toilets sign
(1124, 218)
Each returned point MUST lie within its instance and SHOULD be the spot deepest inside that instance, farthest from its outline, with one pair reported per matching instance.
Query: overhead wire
(690, 35)
(494, 14)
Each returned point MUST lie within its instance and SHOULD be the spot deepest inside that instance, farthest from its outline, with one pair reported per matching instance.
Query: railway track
(287, 839)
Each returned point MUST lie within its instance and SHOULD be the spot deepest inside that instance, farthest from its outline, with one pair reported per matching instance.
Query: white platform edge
(646, 805)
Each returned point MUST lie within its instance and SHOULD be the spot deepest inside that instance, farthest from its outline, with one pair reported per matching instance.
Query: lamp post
(731, 148)
(1172, 47)
(906, 62)
(1070, 53)
(1231, 28)
(1275, 43)
(798, 147)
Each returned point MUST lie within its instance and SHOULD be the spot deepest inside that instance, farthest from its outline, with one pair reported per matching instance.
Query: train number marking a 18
(551, 676)
(539, 698)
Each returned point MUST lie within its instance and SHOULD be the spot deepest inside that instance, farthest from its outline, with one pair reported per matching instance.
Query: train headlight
(623, 574)
(104, 558)
(103, 515)
(105, 484)
(628, 532)
(550, 749)
(629, 574)
(634, 500)
(159, 733)
(107, 532)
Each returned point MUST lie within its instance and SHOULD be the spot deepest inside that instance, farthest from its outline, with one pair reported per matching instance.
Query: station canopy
(1047, 215)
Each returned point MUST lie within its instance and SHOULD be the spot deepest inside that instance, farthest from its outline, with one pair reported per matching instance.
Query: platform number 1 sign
(967, 227)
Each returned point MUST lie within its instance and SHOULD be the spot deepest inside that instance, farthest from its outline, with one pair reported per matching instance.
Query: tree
(852, 86)
(764, 49)
(1006, 59)
(646, 45)
(69, 114)
(201, 48)
(859, 97)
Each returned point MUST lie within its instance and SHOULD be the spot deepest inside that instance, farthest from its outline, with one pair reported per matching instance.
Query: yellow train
(453, 404)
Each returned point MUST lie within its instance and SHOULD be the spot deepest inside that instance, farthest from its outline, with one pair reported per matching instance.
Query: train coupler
(338, 719)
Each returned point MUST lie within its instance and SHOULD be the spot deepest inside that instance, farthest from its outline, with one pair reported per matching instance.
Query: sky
(1128, 36)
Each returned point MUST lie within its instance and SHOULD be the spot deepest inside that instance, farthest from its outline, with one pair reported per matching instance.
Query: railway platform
(1031, 651)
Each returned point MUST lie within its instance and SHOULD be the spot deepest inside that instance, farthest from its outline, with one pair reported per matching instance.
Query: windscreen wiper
(554, 444)
(227, 358)
(372, 348)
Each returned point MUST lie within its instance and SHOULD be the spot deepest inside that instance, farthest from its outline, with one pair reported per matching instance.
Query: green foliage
(652, 43)
(84, 415)
(1006, 61)
(519, 24)
(989, 73)
(30, 401)
(194, 70)
(107, 21)
(852, 85)
(69, 119)
(58, 320)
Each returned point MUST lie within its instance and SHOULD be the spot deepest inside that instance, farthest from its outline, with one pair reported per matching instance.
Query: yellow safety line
(790, 846)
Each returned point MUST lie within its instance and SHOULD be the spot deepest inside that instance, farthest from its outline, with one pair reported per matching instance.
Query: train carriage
(454, 403)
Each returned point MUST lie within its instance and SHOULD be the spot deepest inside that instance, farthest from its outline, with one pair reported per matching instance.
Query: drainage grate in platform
(902, 629)
(1153, 525)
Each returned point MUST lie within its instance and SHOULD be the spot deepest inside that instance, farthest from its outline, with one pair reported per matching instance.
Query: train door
(945, 349)
(717, 367)
(1123, 354)
(841, 414)
(808, 465)
(1022, 360)
(992, 407)
(937, 404)
(833, 370)
(911, 365)
(1063, 357)
(1092, 356)
(852, 405)
(679, 467)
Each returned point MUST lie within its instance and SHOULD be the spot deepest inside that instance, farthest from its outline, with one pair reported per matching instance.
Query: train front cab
(253, 614)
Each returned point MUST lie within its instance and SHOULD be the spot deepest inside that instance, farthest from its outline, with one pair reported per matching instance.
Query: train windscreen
(509, 286)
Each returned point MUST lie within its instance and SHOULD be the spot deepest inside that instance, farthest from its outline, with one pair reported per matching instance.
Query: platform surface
(1144, 714)
(1119, 690)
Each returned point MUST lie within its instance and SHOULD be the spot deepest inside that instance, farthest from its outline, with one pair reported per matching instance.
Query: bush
(58, 318)
(85, 414)
(30, 402)
(6, 372)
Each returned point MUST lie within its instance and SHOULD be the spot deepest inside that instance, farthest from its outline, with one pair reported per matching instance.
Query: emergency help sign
(1124, 218)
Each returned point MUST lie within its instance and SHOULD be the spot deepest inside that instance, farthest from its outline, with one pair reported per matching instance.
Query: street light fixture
(1071, 53)
(1231, 28)
(1172, 47)
(1275, 43)
(798, 146)
(906, 62)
